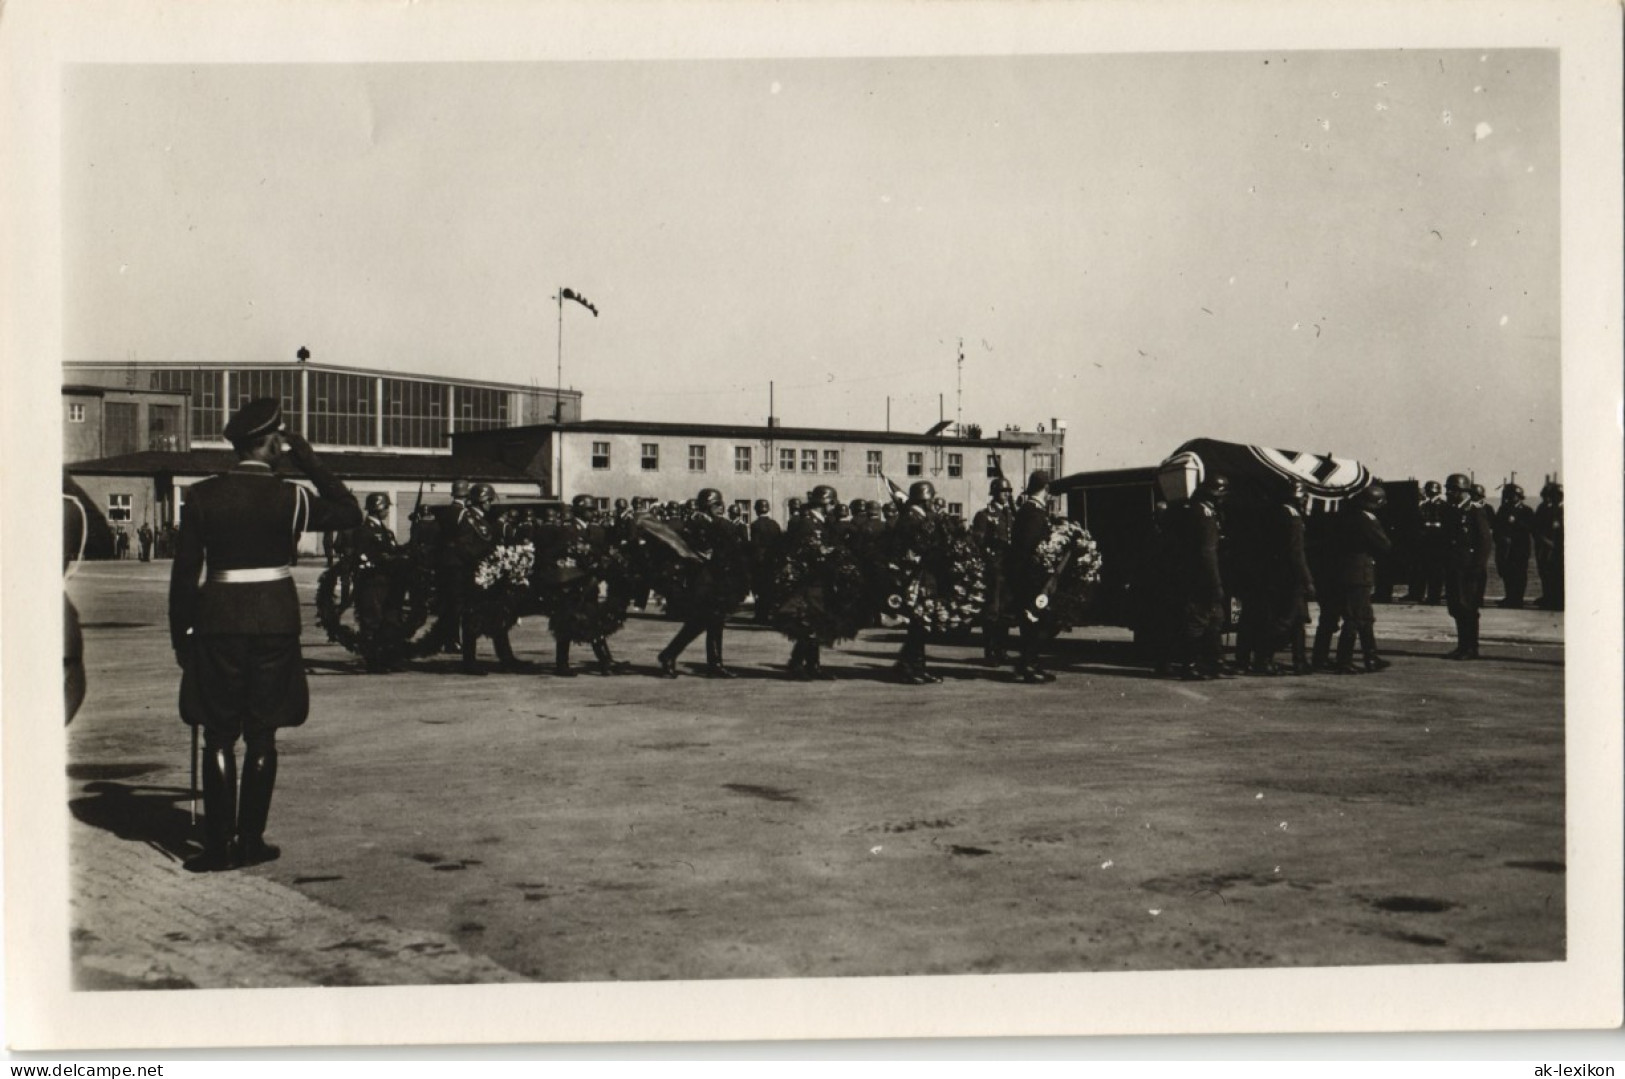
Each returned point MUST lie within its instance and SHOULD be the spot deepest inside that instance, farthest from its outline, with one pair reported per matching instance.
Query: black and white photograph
(942, 521)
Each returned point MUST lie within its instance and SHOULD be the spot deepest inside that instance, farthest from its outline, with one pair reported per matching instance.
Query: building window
(414, 413)
(344, 409)
(76, 413)
(163, 427)
(993, 466)
(832, 460)
(874, 462)
(741, 458)
(118, 508)
(956, 509)
(651, 457)
(480, 408)
(696, 458)
(787, 460)
(956, 465)
(283, 385)
(809, 460)
(916, 463)
(1046, 461)
(600, 455)
(205, 389)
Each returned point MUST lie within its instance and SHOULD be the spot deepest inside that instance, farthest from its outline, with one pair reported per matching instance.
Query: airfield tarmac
(438, 828)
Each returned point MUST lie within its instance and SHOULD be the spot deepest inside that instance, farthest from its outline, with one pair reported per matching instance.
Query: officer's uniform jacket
(244, 526)
(1198, 566)
(1029, 527)
(1363, 540)
(374, 543)
(1469, 537)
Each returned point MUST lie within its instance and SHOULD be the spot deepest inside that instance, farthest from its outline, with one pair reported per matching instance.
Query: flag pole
(558, 405)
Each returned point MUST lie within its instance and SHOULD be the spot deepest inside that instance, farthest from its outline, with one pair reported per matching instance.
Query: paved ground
(439, 828)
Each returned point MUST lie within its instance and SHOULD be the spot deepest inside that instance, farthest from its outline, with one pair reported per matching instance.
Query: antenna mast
(959, 392)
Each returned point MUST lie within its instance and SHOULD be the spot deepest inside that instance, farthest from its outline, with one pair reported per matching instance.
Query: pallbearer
(236, 635)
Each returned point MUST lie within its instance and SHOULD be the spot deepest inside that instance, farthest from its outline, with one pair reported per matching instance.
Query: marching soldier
(1469, 538)
(583, 590)
(478, 534)
(1427, 574)
(236, 635)
(1514, 533)
(1362, 541)
(1029, 528)
(1548, 537)
(718, 587)
(766, 537)
(448, 585)
(377, 558)
(915, 523)
(1200, 583)
(814, 527)
(991, 530)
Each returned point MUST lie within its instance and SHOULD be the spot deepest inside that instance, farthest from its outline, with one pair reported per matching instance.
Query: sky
(1347, 252)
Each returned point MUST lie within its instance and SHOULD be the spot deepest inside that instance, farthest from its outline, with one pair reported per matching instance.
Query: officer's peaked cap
(258, 417)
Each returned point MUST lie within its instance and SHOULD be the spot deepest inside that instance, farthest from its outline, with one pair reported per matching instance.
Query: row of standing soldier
(1518, 530)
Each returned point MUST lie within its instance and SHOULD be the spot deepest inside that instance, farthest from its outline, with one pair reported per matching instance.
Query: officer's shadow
(156, 816)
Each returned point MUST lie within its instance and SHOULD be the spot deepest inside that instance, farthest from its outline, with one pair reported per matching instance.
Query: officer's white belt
(258, 575)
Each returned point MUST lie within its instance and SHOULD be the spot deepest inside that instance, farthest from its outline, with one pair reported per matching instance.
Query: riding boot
(561, 658)
(504, 649)
(219, 812)
(259, 780)
(606, 659)
(1368, 651)
(815, 662)
(1345, 650)
(1300, 657)
(798, 661)
(470, 649)
(1323, 643)
(714, 666)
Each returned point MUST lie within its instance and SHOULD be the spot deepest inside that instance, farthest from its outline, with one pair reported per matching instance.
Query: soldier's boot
(607, 664)
(1322, 657)
(1368, 651)
(815, 662)
(1300, 656)
(1345, 652)
(714, 667)
(1461, 640)
(561, 658)
(1469, 639)
(219, 813)
(798, 662)
(504, 651)
(469, 649)
(259, 780)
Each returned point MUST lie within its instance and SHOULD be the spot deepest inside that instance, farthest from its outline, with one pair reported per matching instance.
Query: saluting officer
(1514, 532)
(1469, 539)
(236, 636)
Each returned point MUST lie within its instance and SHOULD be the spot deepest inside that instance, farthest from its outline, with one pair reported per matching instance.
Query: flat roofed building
(612, 459)
(338, 407)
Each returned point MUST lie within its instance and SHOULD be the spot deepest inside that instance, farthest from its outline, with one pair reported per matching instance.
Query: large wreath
(502, 589)
(823, 592)
(335, 592)
(939, 583)
(1067, 565)
(586, 598)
